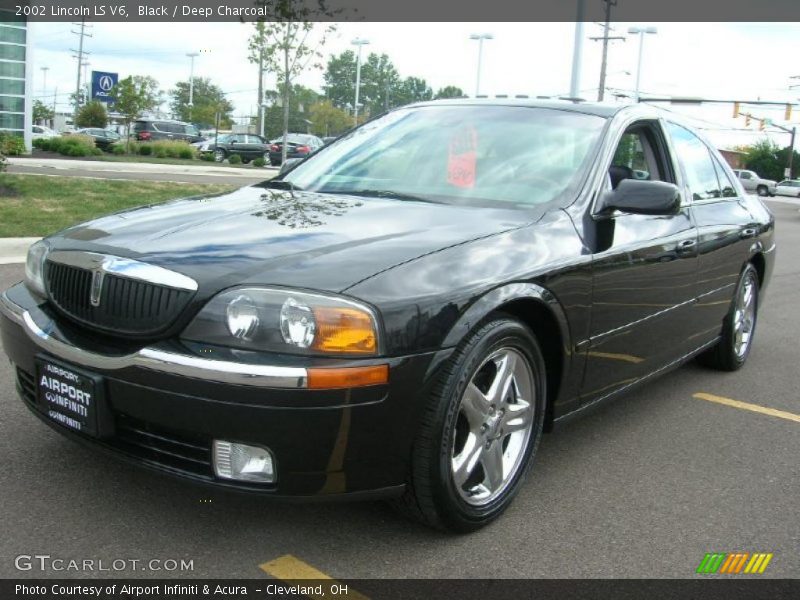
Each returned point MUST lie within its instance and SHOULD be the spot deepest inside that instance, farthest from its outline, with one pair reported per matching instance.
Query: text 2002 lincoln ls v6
(404, 312)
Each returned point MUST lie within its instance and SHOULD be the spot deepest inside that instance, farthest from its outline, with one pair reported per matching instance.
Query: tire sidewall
(730, 334)
(453, 509)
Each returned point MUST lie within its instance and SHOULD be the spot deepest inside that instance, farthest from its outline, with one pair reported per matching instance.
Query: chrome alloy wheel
(493, 427)
(744, 316)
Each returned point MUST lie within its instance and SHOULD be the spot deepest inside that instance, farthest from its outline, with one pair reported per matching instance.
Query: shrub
(235, 159)
(11, 144)
(188, 153)
(118, 148)
(145, 149)
(172, 149)
(259, 162)
(97, 152)
(207, 156)
(70, 145)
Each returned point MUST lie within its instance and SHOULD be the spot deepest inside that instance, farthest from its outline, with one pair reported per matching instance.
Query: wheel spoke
(492, 461)
(474, 406)
(517, 417)
(464, 464)
(503, 378)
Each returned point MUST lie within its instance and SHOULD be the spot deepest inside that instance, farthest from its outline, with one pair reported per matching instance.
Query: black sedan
(103, 138)
(298, 145)
(404, 313)
(246, 145)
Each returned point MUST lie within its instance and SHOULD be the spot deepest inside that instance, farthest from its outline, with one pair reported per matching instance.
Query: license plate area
(71, 397)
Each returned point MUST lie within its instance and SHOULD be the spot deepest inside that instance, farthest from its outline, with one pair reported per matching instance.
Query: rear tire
(480, 431)
(762, 190)
(738, 328)
(220, 156)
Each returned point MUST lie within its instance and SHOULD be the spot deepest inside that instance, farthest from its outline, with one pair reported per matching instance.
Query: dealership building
(16, 76)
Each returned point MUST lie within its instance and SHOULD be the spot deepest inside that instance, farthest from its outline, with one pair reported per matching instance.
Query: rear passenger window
(697, 163)
(725, 183)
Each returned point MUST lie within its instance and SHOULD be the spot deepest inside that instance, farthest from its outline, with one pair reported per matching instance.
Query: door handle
(747, 233)
(686, 245)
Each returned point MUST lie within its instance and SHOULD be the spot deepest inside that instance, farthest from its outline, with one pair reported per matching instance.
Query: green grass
(34, 205)
(188, 162)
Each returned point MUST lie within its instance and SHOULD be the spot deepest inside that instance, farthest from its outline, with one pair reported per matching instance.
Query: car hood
(257, 235)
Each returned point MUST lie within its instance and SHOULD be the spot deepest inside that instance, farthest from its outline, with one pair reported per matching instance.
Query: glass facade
(15, 102)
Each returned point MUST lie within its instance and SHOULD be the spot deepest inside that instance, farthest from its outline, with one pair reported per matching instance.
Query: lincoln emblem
(97, 287)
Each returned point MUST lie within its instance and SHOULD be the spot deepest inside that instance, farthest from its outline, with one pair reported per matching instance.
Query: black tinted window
(725, 183)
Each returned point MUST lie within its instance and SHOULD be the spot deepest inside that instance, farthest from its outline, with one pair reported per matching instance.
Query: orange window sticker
(462, 160)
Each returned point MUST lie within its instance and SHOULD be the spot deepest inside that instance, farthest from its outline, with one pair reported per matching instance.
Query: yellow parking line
(781, 414)
(293, 570)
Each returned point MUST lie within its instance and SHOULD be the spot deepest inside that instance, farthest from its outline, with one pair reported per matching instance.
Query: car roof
(600, 109)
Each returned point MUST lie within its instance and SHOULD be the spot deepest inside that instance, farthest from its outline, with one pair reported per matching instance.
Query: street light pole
(640, 31)
(577, 51)
(480, 37)
(358, 42)
(192, 56)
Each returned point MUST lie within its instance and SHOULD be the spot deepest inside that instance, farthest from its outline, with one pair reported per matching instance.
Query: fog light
(243, 463)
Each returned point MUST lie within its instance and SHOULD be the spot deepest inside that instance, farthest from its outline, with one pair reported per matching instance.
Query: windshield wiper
(385, 194)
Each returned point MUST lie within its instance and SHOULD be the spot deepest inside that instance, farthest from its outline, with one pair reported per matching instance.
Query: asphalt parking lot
(642, 487)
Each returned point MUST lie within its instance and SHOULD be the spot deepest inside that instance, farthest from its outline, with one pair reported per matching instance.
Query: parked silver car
(753, 183)
(788, 187)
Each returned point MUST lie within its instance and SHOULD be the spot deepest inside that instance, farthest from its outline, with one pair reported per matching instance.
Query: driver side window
(636, 156)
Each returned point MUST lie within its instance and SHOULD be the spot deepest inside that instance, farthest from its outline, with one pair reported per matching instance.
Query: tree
(328, 120)
(763, 157)
(41, 112)
(93, 114)
(133, 96)
(207, 100)
(380, 82)
(288, 48)
(449, 91)
(413, 89)
(301, 101)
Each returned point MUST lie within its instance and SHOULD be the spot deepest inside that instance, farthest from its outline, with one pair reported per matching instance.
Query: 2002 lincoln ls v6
(404, 312)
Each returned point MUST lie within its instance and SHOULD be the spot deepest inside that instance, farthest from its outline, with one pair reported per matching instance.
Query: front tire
(220, 155)
(480, 431)
(762, 190)
(738, 328)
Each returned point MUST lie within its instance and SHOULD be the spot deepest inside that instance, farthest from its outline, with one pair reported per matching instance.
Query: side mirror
(642, 198)
(288, 165)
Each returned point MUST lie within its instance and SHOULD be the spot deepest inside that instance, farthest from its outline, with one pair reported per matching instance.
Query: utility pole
(791, 154)
(261, 93)
(605, 37)
(191, 56)
(577, 51)
(80, 56)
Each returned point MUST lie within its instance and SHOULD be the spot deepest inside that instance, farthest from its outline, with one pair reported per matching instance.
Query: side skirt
(565, 418)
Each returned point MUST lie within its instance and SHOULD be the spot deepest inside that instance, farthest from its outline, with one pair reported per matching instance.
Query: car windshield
(461, 154)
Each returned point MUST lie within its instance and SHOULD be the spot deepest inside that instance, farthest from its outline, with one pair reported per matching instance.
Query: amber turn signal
(345, 330)
(349, 377)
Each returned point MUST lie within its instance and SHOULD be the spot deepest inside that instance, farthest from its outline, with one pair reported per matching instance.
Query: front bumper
(164, 404)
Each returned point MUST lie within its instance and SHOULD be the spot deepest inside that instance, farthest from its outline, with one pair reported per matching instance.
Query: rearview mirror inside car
(641, 197)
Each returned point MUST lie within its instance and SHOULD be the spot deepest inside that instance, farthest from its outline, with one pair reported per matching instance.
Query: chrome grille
(126, 306)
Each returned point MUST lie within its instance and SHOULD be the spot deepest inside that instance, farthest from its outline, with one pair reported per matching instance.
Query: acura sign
(102, 84)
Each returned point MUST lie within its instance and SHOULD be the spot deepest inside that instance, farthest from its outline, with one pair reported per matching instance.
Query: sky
(744, 61)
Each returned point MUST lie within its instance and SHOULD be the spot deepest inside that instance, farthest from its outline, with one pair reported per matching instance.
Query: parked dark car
(246, 145)
(299, 145)
(145, 130)
(404, 313)
(103, 138)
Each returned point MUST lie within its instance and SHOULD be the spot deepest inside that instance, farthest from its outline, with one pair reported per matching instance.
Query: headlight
(287, 321)
(34, 267)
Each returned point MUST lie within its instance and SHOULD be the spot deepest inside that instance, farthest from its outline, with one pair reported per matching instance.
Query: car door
(746, 178)
(725, 230)
(254, 146)
(644, 272)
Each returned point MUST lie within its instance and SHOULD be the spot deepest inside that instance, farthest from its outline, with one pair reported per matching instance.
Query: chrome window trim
(123, 267)
(218, 371)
